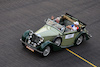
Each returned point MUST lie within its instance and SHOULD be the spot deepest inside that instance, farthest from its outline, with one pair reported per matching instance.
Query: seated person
(73, 27)
(63, 20)
(56, 19)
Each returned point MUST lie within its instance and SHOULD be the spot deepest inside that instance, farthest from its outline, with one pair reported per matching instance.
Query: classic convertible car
(54, 36)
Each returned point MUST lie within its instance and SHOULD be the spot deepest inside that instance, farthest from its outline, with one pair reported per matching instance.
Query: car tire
(58, 41)
(79, 40)
(46, 51)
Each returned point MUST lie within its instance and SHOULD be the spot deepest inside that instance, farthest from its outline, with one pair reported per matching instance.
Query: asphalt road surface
(17, 16)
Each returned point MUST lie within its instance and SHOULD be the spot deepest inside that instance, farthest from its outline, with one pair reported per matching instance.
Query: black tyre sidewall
(56, 39)
(77, 39)
(44, 49)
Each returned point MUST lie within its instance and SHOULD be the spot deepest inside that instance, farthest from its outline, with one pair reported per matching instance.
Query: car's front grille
(35, 38)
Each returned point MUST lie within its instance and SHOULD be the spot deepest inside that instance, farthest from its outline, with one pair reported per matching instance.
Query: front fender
(25, 34)
(43, 45)
(53, 46)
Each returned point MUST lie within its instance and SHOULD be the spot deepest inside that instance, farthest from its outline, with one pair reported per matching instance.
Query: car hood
(47, 31)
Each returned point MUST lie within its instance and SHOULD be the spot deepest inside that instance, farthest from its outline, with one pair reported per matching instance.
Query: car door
(68, 38)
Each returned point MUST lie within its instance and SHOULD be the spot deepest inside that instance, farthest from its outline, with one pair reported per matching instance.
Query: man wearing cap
(73, 27)
(60, 20)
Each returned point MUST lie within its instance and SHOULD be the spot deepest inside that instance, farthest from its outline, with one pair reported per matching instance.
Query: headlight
(30, 36)
(34, 44)
(29, 41)
(41, 40)
(30, 33)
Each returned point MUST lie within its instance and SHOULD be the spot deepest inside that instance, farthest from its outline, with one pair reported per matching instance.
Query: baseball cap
(77, 23)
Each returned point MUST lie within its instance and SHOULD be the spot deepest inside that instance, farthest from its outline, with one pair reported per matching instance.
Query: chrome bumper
(30, 46)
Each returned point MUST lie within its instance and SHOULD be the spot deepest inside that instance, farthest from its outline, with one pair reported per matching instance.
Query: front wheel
(46, 51)
(79, 40)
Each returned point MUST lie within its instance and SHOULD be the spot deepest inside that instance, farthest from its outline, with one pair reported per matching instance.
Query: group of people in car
(60, 20)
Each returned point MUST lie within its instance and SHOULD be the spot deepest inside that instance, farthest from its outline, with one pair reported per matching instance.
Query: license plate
(30, 48)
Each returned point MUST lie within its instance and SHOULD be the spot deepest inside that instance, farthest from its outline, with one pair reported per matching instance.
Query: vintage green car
(54, 36)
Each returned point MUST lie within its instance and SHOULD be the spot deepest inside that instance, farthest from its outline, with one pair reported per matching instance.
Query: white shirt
(74, 28)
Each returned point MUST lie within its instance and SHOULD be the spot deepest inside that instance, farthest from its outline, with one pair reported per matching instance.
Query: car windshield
(55, 25)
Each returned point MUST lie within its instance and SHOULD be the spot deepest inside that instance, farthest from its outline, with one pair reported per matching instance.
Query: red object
(77, 28)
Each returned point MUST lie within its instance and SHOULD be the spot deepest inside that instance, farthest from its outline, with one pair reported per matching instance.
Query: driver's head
(52, 17)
